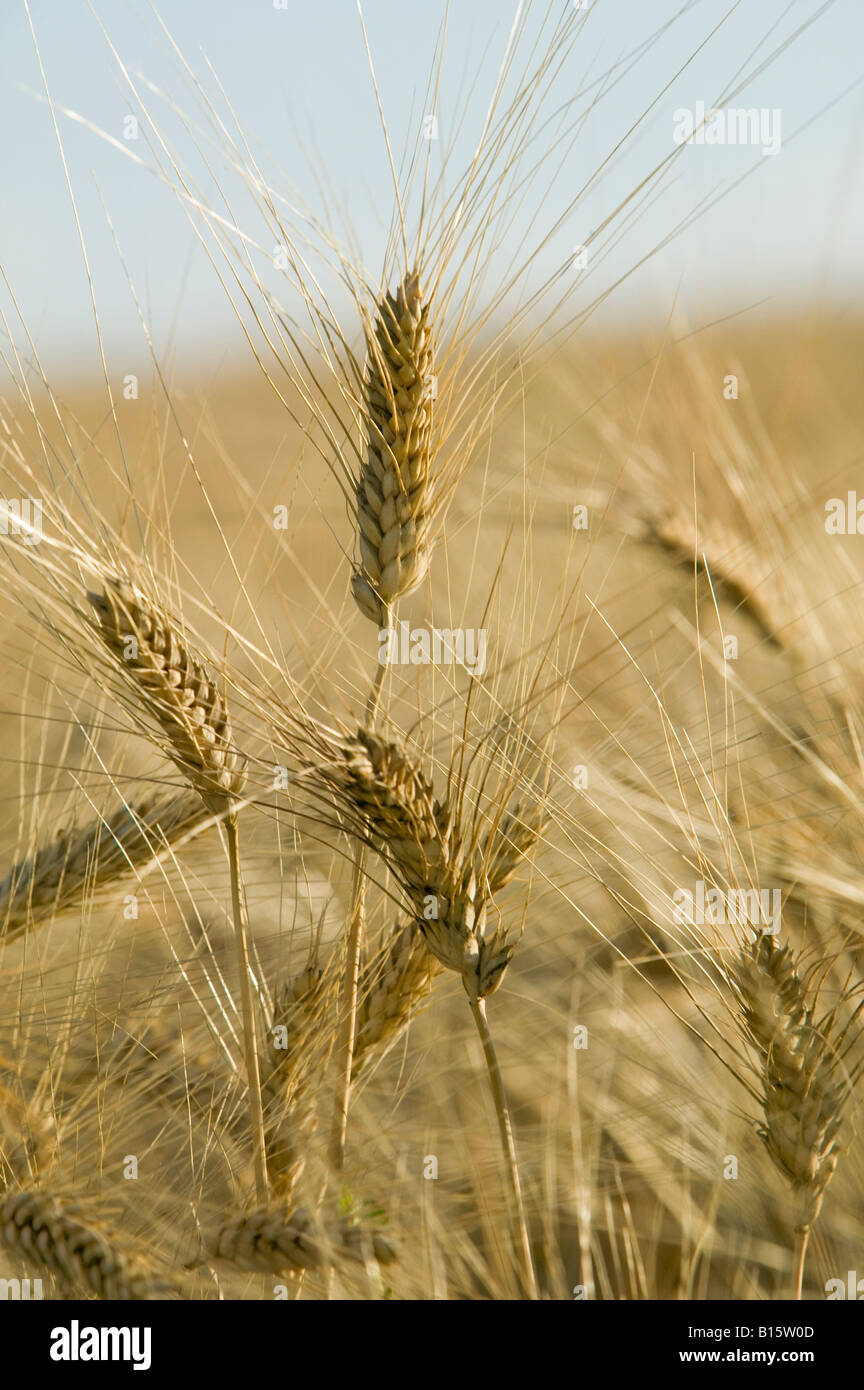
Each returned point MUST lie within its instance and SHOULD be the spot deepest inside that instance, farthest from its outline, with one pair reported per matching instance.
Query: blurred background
(731, 229)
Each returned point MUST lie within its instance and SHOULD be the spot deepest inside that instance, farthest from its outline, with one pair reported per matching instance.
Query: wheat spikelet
(393, 501)
(176, 689)
(393, 987)
(76, 859)
(806, 1084)
(279, 1240)
(82, 1259)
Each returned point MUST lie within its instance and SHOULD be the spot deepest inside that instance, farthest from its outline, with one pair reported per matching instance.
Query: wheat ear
(389, 800)
(393, 489)
(55, 876)
(282, 1240)
(48, 1235)
(289, 1068)
(805, 1078)
(394, 985)
(179, 693)
(175, 688)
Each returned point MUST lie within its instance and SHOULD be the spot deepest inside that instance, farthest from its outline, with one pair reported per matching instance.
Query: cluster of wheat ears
(448, 846)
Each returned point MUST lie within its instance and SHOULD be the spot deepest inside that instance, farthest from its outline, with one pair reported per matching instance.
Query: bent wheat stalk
(179, 694)
(448, 884)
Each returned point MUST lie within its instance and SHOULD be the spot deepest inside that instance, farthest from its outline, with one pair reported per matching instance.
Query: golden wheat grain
(393, 489)
(83, 1259)
(80, 860)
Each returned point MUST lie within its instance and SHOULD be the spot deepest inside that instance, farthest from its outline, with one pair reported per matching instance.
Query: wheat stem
(802, 1237)
(350, 987)
(250, 1048)
(349, 1010)
(375, 693)
(529, 1277)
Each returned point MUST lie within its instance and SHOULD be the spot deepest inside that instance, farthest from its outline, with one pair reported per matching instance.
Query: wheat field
(431, 761)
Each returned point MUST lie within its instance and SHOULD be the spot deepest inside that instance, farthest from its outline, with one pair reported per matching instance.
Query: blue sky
(298, 80)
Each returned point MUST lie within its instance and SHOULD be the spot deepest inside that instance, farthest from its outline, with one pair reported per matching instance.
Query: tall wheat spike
(393, 489)
(393, 516)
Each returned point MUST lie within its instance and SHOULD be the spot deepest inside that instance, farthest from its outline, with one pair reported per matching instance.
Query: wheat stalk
(48, 1235)
(57, 873)
(178, 691)
(392, 801)
(806, 1082)
(392, 505)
